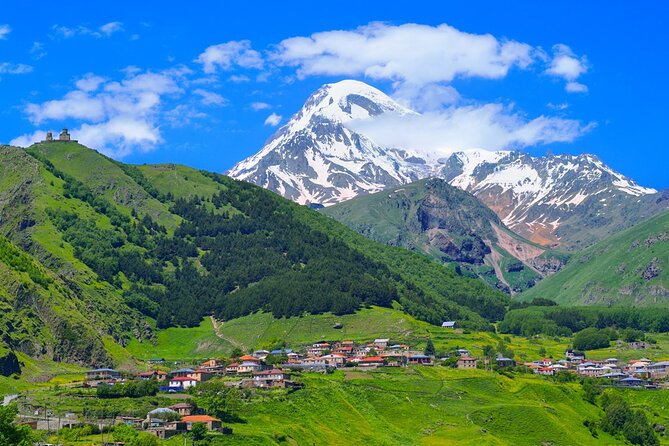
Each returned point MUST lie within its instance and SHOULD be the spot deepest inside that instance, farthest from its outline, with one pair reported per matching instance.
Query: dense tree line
(619, 418)
(131, 389)
(245, 250)
(564, 321)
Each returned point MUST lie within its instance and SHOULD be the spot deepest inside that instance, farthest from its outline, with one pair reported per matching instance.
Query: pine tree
(429, 348)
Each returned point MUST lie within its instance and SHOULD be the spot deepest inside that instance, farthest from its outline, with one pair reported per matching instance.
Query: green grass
(37, 373)
(181, 181)
(104, 176)
(176, 344)
(261, 330)
(609, 272)
(658, 352)
(412, 406)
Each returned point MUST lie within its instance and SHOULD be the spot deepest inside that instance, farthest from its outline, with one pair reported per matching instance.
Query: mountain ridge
(449, 225)
(319, 158)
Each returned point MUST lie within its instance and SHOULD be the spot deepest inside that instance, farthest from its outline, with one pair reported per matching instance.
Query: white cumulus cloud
(28, 139)
(273, 120)
(568, 66)
(4, 31)
(116, 117)
(410, 53)
(225, 55)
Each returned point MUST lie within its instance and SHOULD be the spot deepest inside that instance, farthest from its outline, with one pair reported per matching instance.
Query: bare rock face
(547, 266)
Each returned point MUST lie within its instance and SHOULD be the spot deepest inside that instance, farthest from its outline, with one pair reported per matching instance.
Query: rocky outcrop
(9, 364)
(652, 270)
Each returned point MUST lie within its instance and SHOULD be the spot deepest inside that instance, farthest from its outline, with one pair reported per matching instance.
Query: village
(281, 368)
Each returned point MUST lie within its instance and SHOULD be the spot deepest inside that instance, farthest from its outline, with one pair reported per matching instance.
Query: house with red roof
(211, 422)
(547, 371)
(372, 361)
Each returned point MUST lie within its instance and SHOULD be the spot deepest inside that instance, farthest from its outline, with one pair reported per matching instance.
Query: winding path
(217, 332)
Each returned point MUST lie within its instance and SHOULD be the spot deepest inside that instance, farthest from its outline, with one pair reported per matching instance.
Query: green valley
(628, 268)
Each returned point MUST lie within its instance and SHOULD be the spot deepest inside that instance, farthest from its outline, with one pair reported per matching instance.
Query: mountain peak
(345, 101)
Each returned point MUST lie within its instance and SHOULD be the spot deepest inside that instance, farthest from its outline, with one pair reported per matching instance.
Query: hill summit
(94, 253)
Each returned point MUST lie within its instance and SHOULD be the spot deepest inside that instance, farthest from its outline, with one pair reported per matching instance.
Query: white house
(184, 382)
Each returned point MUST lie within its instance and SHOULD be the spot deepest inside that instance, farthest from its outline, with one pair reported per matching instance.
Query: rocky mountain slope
(317, 158)
(628, 268)
(94, 253)
(451, 226)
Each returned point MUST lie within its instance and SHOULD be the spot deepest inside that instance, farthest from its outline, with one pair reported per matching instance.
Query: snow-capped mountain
(536, 196)
(316, 158)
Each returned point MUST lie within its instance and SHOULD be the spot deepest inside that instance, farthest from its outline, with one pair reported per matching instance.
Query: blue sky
(206, 84)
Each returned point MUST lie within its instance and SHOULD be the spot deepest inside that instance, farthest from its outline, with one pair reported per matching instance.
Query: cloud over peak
(410, 53)
(492, 126)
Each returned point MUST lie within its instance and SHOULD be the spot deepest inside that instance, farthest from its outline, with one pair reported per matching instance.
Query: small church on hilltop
(64, 136)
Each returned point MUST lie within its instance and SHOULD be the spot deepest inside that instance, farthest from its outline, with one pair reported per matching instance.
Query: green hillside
(451, 226)
(423, 406)
(97, 254)
(628, 268)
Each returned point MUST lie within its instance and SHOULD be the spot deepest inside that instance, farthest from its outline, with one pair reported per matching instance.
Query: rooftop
(198, 419)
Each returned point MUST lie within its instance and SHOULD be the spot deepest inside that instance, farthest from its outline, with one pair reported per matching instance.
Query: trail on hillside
(217, 332)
